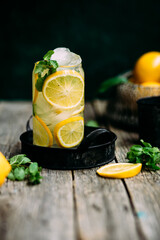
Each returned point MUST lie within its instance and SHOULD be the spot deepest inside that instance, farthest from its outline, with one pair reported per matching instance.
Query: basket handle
(28, 128)
(86, 142)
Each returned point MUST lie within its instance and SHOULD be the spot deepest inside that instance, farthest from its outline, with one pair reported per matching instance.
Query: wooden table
(76, 205)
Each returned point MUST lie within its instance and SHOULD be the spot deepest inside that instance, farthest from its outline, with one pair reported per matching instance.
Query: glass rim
(69, 66)
(65, 66)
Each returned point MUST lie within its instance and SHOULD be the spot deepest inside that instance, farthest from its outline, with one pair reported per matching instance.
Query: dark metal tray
(96, 149)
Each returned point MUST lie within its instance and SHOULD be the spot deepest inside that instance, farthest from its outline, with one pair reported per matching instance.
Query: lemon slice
(35, 91)
(69, 132)
(5, 168)
(42, 136)
(64, 89)
(44, 110)
(79, 108)
(34, 79)
(120, 170)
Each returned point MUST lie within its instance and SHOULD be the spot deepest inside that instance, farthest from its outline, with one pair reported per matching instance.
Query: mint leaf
(32, 179)
(16, 159)
(147, 155)
(11, 176)
(33, 168)
(54, 64)
(44, 68)
(24, 160)
(35, 179)
(23, 168)
(111, 82)
(39, 84)
(19, 159)
(145, 143)
(48, 55)
(26, 171)
(19, 173)
(137, 148)
(41, 66)
(40, 81)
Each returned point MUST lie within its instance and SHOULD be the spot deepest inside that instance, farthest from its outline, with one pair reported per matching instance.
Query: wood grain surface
(76, 205)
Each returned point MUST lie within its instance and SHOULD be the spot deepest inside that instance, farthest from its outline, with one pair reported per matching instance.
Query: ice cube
(65, 57)
(74, 59)
(61, 55)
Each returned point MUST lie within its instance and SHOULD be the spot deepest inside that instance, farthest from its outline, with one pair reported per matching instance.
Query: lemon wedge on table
(42, 135)
(5, 168)
(120, 170)
(69, 133)
(64, 89)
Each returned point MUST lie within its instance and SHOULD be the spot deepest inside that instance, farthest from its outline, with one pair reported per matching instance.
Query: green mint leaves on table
(24, 169)
(44, 68)
(147, 155)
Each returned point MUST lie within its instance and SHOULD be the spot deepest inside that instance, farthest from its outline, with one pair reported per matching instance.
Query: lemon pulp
(69, 132)
(42, 136)
(64, 89)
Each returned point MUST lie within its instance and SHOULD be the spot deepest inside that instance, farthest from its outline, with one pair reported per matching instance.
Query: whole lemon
(147, 68)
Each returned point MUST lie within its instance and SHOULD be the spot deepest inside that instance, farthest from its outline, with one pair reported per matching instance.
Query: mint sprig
(44, 68)
(147, 155)
(24, 169)
(48, 55)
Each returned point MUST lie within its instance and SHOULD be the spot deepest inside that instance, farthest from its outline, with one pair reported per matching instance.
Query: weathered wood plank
(13, 118)
(38, 212)
(143, 190)
(103, 208)
(81, 206)
(44, 211)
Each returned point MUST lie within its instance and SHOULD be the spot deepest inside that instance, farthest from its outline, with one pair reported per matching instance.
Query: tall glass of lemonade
(58, 99)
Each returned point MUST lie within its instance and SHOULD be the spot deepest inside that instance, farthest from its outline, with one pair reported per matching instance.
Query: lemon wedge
(69, 133)
(5, 168)
(42, 136)
(64, 89)
(120, 170)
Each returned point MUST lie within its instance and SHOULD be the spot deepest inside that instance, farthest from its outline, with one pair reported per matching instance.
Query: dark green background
(109, 35)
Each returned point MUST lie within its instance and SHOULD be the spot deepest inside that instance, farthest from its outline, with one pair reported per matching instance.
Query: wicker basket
(122, 108)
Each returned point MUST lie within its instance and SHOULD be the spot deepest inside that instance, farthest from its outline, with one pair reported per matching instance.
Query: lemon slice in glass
(78, 109)
(64, 89)
(120, 170)
(69, 133)
(34, 91)
(42, 136)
